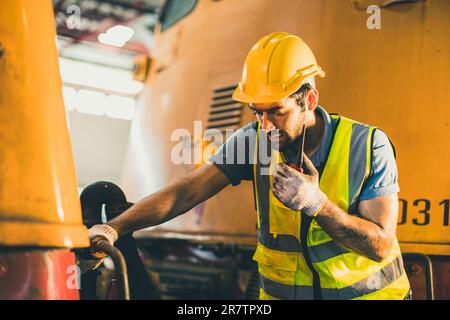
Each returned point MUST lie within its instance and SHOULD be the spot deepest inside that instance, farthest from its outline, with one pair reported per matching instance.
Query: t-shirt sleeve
(234, 157)
(383, 179)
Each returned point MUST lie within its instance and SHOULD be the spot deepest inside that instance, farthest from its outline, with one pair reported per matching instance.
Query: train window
(175, 10)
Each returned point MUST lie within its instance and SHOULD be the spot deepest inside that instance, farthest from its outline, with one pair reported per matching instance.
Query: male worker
(326, 230)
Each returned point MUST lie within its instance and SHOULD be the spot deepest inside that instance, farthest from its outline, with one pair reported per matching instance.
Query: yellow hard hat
(276, 67)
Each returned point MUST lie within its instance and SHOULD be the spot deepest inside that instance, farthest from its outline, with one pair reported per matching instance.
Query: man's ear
(312, 98)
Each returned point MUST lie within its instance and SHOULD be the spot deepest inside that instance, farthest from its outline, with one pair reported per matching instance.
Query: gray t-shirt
(382, 180)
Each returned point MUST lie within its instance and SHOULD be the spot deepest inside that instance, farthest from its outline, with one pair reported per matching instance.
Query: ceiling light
(116, 36)
(98, 77)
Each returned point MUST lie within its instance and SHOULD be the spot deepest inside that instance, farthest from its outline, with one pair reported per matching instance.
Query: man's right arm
(186, 192)
(177, 198)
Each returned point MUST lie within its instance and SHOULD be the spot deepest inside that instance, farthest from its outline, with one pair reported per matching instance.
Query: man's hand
(92, 258)
(372, 234)
(101, 232)
(297, 190)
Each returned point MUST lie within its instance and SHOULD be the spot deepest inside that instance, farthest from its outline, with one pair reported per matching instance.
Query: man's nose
(267, 124)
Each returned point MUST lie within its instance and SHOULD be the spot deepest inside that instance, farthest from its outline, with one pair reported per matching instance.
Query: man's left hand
(297, 190)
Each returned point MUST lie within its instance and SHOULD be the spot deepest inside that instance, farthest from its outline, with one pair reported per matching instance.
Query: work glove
(299, 190)
(92, 259)
(101, 232)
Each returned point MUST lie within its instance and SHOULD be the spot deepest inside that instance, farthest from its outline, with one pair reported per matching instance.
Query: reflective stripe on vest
(376, 281)
(343, 274)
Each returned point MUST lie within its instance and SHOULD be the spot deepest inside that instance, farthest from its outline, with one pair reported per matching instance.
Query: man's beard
(287, 144)
(283, 143)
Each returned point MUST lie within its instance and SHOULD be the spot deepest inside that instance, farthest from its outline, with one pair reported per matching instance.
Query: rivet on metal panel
(416, 269)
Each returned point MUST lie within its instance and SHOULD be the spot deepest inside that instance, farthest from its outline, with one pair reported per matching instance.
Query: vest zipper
(304, 229)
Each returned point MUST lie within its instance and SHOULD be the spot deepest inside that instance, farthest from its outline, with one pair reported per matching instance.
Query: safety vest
(296, 258)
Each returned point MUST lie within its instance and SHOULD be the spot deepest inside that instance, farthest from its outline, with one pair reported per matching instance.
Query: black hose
(120, 267)
(109, 195)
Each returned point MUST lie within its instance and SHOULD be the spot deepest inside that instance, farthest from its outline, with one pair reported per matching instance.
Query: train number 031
(419, 212)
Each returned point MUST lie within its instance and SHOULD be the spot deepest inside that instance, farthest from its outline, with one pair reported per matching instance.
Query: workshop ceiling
(82, 21)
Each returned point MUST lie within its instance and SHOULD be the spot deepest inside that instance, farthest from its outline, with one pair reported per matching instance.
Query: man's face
(284, 116)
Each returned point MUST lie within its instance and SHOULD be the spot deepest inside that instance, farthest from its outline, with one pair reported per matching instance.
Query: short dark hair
(300, 95)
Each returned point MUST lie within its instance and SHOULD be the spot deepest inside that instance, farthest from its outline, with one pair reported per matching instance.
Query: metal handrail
(428, 271)
(120, 267)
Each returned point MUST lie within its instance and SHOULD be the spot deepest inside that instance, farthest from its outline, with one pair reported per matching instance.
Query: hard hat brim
(239, 96)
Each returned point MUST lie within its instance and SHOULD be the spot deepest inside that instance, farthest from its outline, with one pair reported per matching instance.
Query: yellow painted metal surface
(39, 203)
(395, 78)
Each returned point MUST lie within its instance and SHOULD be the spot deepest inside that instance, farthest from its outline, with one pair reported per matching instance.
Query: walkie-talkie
(298, 165)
